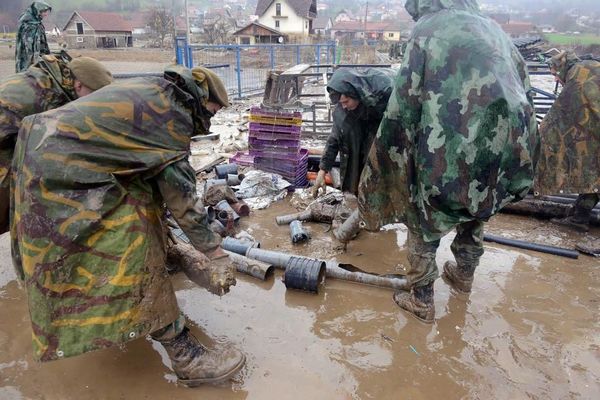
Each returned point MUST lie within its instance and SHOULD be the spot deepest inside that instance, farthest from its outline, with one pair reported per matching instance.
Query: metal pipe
(297, 232)
(222, 170)
(349, 228)
(241, 208)
(235, 179)
(280, 260)
(255, 268)
(223, 205)
(299, 216)
(238, 246)
(558, 251)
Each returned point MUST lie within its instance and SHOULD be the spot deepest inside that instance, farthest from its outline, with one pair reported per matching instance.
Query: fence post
(318, 50)
(238, 67)
(190, 57)
(178, 52)
(298, 59)
(272, 50)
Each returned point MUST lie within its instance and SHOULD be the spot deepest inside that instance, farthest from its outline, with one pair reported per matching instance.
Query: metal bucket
(222, 170)
(297, 232)
(238, 246)
(304, 274)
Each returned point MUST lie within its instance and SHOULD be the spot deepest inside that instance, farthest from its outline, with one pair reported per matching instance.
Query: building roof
(271, 30)
(103, 21)
(304, 8)
(320, 22)
(518, 28)
(359, 26)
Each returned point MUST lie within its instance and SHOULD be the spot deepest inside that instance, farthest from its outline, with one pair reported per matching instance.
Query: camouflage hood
(562, 63)
(33, 14)
(369, 86)
(419, 8)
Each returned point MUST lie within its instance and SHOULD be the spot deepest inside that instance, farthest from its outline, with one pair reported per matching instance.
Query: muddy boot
(573, 222)
(460, 279)
(418, 302)
(194, 364)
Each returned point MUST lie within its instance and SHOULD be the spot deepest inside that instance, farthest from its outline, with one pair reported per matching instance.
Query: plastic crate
(275, 113)
(273, 135)
(242, 158)
(279, 129)
(275, 121)
(275, 144)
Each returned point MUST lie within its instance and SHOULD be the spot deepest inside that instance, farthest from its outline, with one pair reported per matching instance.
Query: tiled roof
(104, 21)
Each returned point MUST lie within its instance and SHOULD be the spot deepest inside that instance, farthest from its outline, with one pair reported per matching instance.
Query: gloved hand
(319, 184)
(212, 270)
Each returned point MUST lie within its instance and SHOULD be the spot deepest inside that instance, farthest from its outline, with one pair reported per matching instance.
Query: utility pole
(365, 28)
(187, 24)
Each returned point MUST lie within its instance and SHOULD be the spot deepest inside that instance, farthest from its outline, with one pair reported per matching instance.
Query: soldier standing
(31, 35)
(360, 98)
(86, 218)
(48, 84)
(570, 139)
(456, 143)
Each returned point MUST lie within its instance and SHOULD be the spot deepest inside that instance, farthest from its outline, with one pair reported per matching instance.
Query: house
(392, 32)
(360, 30)
(94, 29)
(322, 26)
(290, 17)
(517, 29)
(256, 33)
(344, 16)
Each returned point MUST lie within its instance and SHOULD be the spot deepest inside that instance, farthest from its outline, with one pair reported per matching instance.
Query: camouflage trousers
(170, 331)
(582, 208)
(467, 248)
(4, 206)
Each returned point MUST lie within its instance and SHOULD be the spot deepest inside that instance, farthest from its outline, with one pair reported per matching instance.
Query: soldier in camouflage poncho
(48, 84)
(570, 138)
(361, 98)
(456, 143)
(86, 218)
(31, 36)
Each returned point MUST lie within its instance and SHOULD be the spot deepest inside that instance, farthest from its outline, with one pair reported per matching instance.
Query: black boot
(418, 302)
(194, 364)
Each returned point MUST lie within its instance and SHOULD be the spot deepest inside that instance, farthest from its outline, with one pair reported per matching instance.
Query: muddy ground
(529, 330)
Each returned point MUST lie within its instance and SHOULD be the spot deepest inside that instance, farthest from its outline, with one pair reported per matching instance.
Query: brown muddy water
(529, 330)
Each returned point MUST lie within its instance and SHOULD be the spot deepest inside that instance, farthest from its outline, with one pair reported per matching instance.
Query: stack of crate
(274, 144)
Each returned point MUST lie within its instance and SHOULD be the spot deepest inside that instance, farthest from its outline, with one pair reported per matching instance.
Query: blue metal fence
(244, 68)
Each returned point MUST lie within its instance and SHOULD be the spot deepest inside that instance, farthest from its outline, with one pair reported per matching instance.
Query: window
(79, 40)
(391, 34)
(80, 28)
(278, 9)
(277, 24)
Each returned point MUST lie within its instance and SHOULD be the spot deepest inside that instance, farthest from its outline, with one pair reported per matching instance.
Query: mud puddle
(528, 330)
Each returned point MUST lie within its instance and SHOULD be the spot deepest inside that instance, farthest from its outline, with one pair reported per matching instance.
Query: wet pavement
(528, 330)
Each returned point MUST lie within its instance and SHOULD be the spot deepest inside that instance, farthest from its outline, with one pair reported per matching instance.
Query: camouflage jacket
(31, 36)
(458, 138)
(86, 230)
(570, 135)
(43, 86)
(353, 131)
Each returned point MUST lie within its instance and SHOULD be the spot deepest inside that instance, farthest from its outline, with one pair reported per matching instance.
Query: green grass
(563, 39)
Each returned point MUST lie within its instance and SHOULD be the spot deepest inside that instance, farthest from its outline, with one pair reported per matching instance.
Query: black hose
(558, 251)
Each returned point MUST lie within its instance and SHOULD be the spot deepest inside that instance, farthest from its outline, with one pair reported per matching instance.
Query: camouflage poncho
(86, 217)
(458, 137)
(43, 86)
(353, 131)
(31, 36)
(570, 135)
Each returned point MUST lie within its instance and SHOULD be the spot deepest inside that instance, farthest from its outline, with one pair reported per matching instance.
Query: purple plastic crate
(275, 135)
(255, 126)
(274, 114)
(241, 158)
(276, 144)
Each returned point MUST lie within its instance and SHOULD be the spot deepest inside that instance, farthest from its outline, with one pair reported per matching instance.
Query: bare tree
(160, 21)
(217, 30)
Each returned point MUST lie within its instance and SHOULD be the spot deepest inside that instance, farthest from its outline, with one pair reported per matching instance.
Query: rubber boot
(194, 364)
(418, 302)
(460, 279)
